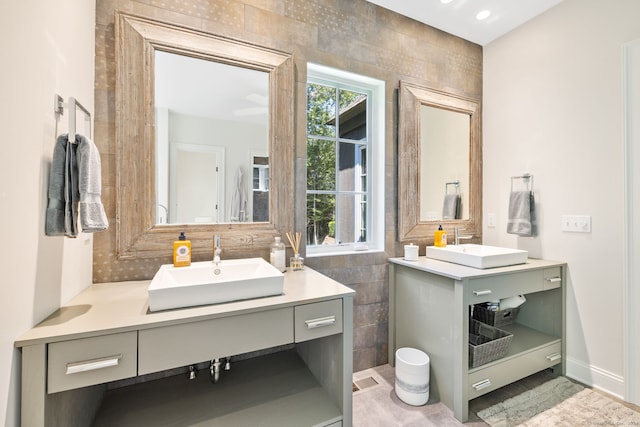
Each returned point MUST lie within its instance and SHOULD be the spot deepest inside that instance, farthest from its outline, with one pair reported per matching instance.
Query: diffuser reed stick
(295, 242)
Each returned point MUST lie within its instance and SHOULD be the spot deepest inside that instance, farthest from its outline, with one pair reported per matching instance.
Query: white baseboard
(596, 377)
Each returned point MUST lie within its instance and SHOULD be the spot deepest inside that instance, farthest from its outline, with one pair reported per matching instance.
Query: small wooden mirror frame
(411, 98)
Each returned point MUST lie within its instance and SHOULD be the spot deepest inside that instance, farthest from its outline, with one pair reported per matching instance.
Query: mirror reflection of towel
(451, 206)
(521, 213)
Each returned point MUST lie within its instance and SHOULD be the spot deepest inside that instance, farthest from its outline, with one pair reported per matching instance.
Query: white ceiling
(242, 95)
(459, 16)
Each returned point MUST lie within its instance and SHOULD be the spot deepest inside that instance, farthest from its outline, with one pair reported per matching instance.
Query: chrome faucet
(217, 249)
(458, 236)
(214, 368)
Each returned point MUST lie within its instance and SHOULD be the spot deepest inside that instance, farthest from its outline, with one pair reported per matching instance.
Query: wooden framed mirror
(139, 232)
(453, 156)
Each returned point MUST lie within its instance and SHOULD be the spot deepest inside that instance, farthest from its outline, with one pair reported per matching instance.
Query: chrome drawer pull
(553, 357)
(318, 323)
(553, 279)
(482, 384)
(92, 365)
(482, 292)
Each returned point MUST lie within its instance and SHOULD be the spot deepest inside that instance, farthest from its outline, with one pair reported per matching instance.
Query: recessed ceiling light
(445, 1)
(483, 15)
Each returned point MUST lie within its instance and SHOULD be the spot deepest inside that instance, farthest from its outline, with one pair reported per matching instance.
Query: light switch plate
(491, 220)
(576, 223)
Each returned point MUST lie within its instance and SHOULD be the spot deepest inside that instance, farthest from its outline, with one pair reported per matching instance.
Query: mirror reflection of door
(444, 159)
(195, 183)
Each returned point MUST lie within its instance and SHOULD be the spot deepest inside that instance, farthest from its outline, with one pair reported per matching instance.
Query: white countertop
(106, 308)
(460, 272)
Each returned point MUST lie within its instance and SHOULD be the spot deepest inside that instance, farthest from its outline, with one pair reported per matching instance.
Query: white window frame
(375, 90)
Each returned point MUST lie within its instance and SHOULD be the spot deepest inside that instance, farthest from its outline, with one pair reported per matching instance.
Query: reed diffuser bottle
(296, 262)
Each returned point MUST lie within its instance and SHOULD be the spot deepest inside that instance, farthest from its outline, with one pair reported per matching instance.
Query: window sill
(344, 252)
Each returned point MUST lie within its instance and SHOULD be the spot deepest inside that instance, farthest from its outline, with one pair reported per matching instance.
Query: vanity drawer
(500, 374)
(185, 344)
(88, 361)
(495, 287)
(318, 320)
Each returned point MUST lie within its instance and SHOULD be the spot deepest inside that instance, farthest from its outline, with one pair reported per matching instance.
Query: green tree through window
(336, 164)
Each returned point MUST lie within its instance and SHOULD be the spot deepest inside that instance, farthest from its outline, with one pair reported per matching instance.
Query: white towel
(521, 213)
(91, 211)
(238, 199)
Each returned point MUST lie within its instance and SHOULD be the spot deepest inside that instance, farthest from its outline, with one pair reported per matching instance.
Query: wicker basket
(495, 318)
(486, 343)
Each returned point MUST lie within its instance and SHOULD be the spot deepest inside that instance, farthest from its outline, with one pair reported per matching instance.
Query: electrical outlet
(576, 223)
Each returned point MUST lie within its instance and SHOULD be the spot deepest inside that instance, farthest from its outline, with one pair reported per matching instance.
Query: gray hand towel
(521, 213)
(54, 218)
(451, 206)
(91, 211)
(71, 194)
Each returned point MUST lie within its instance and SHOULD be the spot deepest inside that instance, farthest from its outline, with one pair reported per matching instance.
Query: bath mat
(559, 402)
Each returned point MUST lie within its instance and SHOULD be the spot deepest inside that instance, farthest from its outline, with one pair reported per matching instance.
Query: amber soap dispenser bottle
(440, 238)
(182, 251)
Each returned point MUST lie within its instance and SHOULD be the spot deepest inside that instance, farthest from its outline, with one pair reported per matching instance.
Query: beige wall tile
(353, 35)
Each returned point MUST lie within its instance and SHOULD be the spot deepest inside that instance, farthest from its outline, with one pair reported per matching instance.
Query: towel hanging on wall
(91, 211)
(75, 189)
(522, 214)
(55, 224)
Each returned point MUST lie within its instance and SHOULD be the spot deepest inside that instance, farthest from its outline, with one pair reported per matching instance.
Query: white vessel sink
(478, 256)
(239, 279)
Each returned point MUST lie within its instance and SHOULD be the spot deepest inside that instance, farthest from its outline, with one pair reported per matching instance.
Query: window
(260, 188)
(345, 162)
(260, 173)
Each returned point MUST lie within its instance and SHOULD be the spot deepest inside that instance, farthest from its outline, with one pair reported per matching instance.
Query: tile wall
(353, 35)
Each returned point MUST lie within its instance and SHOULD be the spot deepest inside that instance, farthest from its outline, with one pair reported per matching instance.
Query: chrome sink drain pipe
(193, 373)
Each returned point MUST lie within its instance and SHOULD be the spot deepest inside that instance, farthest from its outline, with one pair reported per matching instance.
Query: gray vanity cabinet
(430, 303)
(107, 334)
(179, 345)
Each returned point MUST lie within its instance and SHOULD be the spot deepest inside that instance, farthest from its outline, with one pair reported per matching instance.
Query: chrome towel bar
(73, 105)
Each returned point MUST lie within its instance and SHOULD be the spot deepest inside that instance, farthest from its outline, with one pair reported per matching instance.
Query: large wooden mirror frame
(410, 227)
(138, 235)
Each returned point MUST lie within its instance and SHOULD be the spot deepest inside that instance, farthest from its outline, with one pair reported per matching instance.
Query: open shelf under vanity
(273, 390)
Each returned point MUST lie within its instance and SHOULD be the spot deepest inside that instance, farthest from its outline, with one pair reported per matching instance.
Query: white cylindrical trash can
(412, 376)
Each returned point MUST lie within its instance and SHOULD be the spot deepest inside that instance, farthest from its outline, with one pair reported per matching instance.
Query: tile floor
(375, 404)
